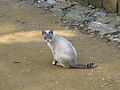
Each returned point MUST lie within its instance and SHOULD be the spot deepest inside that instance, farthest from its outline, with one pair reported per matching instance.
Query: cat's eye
(43, 32)
(51, 31)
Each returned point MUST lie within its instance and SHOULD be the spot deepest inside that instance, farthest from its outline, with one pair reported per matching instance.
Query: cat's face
(47, 35)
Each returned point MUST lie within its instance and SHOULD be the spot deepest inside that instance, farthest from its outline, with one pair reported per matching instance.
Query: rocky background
(111, 6)
(85, 17)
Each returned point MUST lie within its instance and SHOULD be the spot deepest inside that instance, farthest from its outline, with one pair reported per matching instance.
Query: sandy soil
(25, 59)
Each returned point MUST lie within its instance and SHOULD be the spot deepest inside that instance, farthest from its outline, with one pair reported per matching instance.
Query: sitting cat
(64, 53)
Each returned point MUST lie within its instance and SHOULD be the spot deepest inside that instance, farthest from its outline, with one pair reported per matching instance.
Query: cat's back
(65, 46)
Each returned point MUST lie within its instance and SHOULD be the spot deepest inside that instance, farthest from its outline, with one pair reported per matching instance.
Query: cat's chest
(51, 46)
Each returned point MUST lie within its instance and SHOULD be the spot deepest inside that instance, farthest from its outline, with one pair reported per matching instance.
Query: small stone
(28, 70)
(56, 82)
(110, 85)
(103, 79)
(111, 37)
(101, 86)
(24, 57)
(41, 51)
(91, 6)
(28, 62)
(105, 84)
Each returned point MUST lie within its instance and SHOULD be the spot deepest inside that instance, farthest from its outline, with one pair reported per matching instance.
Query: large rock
(110, 5)
(96, 3)
(118, 7)
(63, 5)
(73, 17)
(103, 29)
(58, 12)
(112, 21)
(60, 9)
(78, 13)
(45, 5)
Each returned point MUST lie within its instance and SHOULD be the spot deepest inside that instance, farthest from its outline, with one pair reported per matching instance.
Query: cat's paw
(54, 62)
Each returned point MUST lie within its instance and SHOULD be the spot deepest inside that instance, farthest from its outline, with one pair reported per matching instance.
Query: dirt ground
(25, 59)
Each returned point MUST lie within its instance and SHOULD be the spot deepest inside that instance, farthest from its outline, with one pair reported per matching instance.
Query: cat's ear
(43, 32)
(51, 31)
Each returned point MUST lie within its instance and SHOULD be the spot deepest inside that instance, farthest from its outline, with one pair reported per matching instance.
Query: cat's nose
(50, 37)
(47, 40)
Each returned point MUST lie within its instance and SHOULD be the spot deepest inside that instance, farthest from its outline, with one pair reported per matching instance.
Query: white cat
(64, 53)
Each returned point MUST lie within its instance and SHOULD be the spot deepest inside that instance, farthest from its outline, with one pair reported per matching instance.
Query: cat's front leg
(54, 60)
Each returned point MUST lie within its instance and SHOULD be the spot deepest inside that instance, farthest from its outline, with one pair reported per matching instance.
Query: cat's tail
(83, 66)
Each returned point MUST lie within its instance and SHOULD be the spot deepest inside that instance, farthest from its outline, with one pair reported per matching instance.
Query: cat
(64, 53)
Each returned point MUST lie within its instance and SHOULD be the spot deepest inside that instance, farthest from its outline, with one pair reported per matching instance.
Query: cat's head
(48, 35)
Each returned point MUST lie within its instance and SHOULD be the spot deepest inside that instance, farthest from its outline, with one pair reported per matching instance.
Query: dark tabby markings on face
(43, 32)
(47, 35)
(47, 31)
